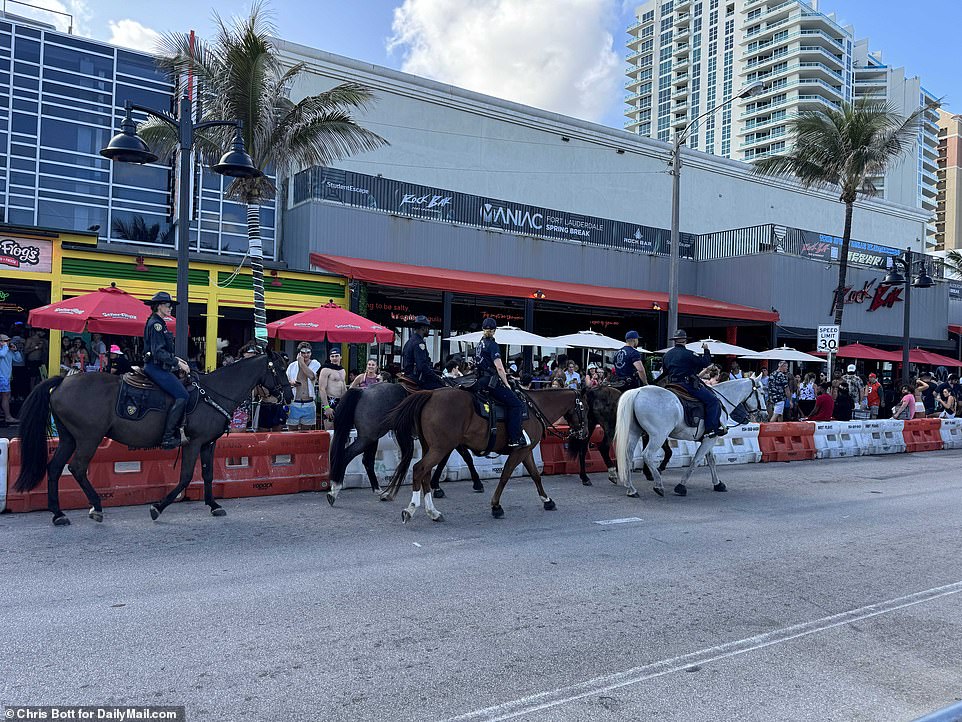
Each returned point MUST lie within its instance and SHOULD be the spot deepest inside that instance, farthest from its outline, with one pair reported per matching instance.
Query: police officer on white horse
(629, 366)
(415, 360)
(681, 366)
(492, 376)
(160, 363)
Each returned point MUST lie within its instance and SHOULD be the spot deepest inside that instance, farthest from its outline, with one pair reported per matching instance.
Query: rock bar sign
(26, 254)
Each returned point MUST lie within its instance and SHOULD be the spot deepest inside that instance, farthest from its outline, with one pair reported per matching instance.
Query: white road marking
(626, 520)
(607, 683)
(416, 544)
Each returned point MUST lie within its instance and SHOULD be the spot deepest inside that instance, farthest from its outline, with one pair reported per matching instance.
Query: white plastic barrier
(738, 446)
(457, 470)
(850, 434)
(386, 459)
(882, 436)
(682, 452)
(951, 432)
(829, 442)
(4, 466)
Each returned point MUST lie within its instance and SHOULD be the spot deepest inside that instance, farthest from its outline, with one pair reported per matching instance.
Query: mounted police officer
(160, 362)
(415, 361)
(681, 367)
(629, 366)
(492, 376)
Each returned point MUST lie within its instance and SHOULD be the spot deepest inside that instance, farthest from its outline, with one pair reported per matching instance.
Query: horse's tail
(403, 421)
(34, 430)
(343, 423)
(623, 424)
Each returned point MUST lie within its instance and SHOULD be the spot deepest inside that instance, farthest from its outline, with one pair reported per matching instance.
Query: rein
(549, 427)
(733, 405)
(206, 396)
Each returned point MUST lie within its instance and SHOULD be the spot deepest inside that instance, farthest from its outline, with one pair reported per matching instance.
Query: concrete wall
(451, 138)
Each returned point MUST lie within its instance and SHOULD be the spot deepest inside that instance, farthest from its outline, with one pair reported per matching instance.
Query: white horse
(659, 413)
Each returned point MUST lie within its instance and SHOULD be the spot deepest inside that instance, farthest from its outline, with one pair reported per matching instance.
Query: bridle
(728, 402)
(277, 392)
(579, 432)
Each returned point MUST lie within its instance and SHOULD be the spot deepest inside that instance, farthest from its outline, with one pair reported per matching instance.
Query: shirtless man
(331, 386)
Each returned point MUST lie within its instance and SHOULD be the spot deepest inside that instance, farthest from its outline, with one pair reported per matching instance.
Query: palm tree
(240, 75)
(845, 148)
(136, 229)
(953, 260)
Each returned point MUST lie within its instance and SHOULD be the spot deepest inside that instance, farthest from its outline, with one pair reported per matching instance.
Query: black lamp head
(127, 146)
(236, 163)
(894, 278)
(923, 280)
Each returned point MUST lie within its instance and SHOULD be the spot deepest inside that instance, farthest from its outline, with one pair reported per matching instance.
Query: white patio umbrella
(715, 348)
(785, 353)
(590, 340)
(510, 336)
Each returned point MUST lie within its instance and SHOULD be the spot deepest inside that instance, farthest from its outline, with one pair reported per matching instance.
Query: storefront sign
(879, 295)
(825, 247)
(26, 254)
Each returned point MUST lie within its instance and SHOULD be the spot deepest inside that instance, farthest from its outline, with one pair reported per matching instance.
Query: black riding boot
(172, 428)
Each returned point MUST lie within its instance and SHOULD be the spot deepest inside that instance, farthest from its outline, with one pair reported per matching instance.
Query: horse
(366, 410)
(658, 412)
(83, 409)
(602, 409)
(446, 418)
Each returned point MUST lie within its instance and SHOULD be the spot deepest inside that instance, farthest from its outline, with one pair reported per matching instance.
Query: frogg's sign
(26, 254)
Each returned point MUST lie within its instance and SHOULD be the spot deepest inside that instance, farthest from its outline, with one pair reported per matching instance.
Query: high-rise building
(686, 57)
(948, 221)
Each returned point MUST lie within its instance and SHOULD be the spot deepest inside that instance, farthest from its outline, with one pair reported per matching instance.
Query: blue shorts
(302, 413)
(4, 385)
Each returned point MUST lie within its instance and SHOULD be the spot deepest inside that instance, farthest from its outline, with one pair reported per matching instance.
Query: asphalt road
(827, 590)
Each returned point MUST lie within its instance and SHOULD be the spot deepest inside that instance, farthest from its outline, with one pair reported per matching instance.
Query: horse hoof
(405, 516)
(438, 493)
(613, 481)
(478, 488)
(635, 495)
(681, 490)
(720, 486)
(97, 516)
(586, 482)
(154, 512)
(376, 490)
(658, 490)
(497, 512)
(439, 517)
(61, 521)
(331, 498)
(550, 505)
(384, 497)
(218, 511)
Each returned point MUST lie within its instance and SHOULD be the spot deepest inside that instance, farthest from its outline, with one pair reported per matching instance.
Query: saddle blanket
(133, 403)
(482, 406)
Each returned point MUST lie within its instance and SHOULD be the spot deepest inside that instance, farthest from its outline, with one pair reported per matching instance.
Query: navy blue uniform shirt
(414, 357)
(625, 362)
(680, 364)
(159, 343)
(485, 355)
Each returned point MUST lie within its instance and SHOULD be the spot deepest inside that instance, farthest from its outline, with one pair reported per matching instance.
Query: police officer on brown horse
(160, 363)
(415, 360)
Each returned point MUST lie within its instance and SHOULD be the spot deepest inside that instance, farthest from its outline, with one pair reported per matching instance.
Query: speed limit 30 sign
(828, 339)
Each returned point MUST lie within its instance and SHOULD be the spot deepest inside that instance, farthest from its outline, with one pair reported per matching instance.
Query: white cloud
(131, 34)
(73, 15)
(552, 54)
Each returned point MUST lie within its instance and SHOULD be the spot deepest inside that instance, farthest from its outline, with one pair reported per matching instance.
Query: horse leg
(367, 459)
(604, 448)
(582, 455)
(680, 488)
(65, 449)
(649, 456)
(436, 489)
(207, 472)
(78, 467)
(188, 459)
(509, 465)
(477, 487)
(716, 484)
(353, 449)
(644, 467)
(421, 486)
(633, 436)
(666, 447)
(532, 470)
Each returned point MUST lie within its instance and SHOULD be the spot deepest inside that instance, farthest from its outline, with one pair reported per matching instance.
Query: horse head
(755, 403)
(275, 376)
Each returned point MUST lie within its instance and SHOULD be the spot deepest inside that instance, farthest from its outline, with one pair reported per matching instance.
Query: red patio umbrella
(330, 322)
(930, 358)
(861, 351)
(106, 310)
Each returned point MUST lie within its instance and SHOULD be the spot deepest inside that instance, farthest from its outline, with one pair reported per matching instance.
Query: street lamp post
(128, 147)
(749, 91)
(907, 262)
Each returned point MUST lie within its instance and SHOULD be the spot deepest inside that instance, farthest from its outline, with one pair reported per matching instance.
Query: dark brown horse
(601, 405)
(83, 409)
(445, 419)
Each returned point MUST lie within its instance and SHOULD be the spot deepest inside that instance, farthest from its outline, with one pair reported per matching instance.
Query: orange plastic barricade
(594, 464)
(553, 452)
(787, 441)
(121, 477)
(267, 464)
(922, 434)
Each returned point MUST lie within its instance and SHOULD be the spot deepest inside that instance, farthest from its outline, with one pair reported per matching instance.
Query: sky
(565, 56)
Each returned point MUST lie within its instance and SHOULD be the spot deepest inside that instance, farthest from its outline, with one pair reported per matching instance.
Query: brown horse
(445, 419)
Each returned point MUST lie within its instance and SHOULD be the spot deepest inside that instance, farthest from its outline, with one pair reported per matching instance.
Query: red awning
(953, 328)
(929, 358)
(487, 284)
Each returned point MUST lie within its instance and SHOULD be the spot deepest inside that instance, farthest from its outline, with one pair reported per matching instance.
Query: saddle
(138, 396)
(139, 380)
(493, 412)
(693, 408)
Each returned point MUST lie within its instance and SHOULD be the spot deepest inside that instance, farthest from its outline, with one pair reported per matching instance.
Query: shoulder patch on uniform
(158, 326)
(423, 347)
